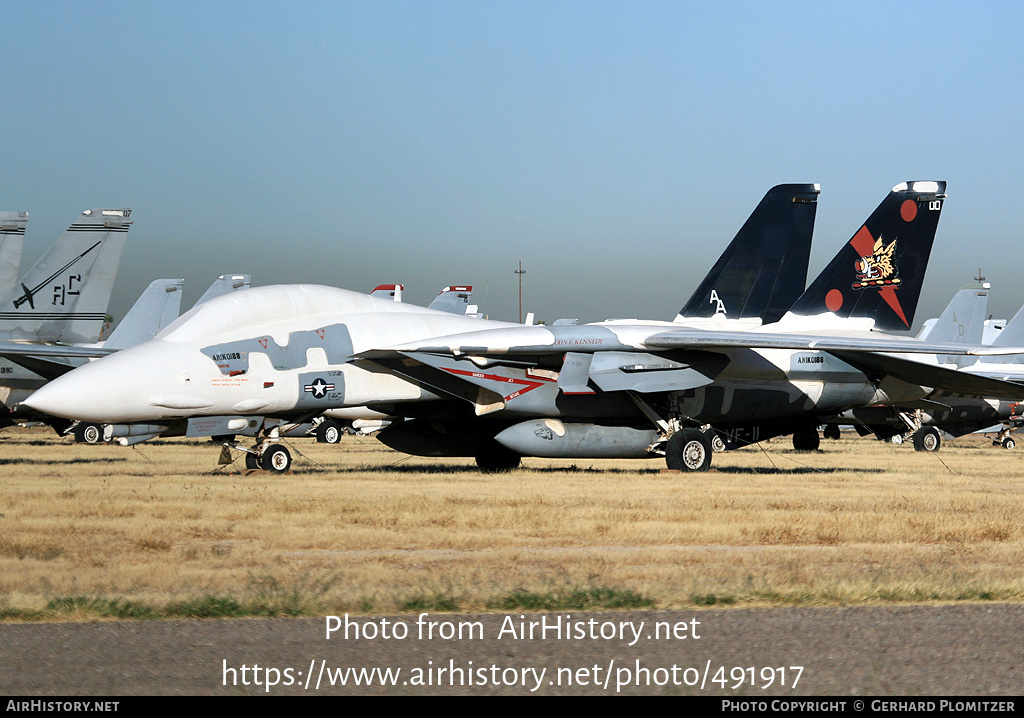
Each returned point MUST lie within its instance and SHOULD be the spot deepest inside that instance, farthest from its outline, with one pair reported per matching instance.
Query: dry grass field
(89, 531)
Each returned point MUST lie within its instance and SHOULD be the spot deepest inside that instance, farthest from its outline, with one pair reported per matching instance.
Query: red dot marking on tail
(834, 300)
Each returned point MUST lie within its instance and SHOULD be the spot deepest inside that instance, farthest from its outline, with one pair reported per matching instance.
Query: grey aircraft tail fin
(225, 284)
(763, 270)
(12, 238)
(155, 308)
(454, 300)
(1012, 335)
(961, 322)
(64, 296)
(963, 319)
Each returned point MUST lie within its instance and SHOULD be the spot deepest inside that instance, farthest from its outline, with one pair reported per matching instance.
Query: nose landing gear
(265, 455)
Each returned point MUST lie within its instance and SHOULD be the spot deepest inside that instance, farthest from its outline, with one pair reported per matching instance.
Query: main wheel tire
(896, 439)
(88, 433)
(252, 461)
(718, 443)
(276, 458)
(328, 432)
(1009, 443)
(496, 458)
(927, 439)
(831, 432)
(688, 450)
(806, 440)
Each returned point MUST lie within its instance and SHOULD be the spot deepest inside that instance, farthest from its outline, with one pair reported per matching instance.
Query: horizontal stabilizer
(13, 349)
(695, 339)
(931, 375)
(47, 367)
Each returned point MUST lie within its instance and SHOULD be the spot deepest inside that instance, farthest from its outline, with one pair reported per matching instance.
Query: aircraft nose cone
(83, 393)
(115, 388)
(65, 396)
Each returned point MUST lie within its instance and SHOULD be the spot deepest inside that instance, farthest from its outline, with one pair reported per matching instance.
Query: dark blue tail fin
(878, 274)
(763, 270)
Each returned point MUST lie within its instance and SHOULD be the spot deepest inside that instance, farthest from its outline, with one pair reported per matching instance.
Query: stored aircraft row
(751, 355)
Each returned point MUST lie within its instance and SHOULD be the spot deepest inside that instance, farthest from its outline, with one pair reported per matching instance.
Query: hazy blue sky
(613, 147)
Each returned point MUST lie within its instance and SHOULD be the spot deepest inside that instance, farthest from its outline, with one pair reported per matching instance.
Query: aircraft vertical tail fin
(878, 274)
(64, 296)
(388, 291)
(963, 320)
(225, 284)
(12, 239)
(1012, 335)
(155, 308)
(454, 300)
(763, 270)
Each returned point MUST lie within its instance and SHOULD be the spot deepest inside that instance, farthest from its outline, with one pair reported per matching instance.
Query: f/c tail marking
(30, 293)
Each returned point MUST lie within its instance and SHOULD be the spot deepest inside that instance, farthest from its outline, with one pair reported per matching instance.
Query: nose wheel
(275, 458)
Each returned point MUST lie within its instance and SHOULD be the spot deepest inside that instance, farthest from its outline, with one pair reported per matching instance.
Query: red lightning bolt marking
(863, 242)
(530, 385)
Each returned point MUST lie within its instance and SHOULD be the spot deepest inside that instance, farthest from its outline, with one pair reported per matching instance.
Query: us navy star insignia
(319, 388)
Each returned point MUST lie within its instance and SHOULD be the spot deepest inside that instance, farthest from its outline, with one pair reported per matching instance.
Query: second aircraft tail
(64, 296)
(763, 270)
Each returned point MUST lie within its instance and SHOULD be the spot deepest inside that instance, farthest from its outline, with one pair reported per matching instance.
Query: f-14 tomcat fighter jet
(291, 351)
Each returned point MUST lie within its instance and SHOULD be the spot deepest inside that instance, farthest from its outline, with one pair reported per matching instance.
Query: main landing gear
(927, 439)
(924, 438)
(689, 450)
(806, 439)
(1004, 439)
(494, 458)
(86, 433)
(329, 431)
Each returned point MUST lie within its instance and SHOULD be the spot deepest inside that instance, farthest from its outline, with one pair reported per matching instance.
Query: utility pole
(520, 272)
